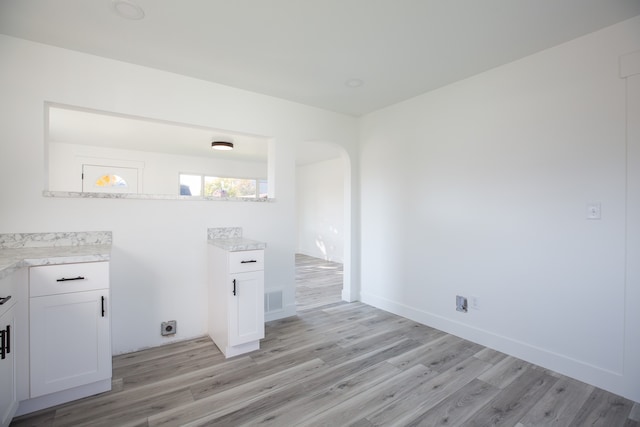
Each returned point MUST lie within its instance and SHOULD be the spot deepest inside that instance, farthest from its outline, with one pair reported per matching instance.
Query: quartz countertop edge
(14, 259)
(237, 244)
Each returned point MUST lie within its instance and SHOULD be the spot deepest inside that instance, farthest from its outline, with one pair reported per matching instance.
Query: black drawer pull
(64, 279)
(234, 287)
(5, 299)
(248, 262)
(3, 354)
(102, 306)
(8, 338)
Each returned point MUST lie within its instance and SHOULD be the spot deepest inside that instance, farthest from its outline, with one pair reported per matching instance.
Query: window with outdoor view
(222, 187)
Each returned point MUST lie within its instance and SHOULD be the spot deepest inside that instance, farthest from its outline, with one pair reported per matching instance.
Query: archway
(323, 205)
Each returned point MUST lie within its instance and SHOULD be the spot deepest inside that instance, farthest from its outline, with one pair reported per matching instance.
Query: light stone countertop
(230, 239)
(237, 244)
(14, 258)
(18, 250)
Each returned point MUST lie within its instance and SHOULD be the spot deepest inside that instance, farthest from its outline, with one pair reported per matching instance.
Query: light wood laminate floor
(318, 282)
(340, 364)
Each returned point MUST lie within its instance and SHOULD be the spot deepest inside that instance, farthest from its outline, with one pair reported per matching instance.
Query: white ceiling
(305, 51)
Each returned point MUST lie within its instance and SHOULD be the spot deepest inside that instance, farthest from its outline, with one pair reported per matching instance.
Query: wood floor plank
(457, 407)
(514, 401)
(603, 409)
(560, 405)
(635, 412)
(125, 411)
(505, 372)
(167, 370)
(391, 346)
(234, 379)
(162, 363)
(235, 398)
(429, 394)
(373, 398)
(107, 402)
(318, 282)
(42, 418)
(489, 355)
(426, 353)
(271, 405)
(161, 352)
(314, 401)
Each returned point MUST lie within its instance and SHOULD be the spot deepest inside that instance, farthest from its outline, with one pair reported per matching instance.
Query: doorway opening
(323, 225)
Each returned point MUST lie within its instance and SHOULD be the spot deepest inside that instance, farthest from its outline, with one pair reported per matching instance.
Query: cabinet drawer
(65, 278)
(242, 261)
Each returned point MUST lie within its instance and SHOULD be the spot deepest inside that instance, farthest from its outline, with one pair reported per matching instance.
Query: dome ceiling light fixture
(222, 145)
(127, 9)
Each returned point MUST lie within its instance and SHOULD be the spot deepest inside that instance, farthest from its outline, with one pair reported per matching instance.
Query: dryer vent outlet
(461, 303)
(168, 328)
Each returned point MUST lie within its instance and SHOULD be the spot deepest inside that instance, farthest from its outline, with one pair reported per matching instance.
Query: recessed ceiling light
(354, 83)
(127, 9)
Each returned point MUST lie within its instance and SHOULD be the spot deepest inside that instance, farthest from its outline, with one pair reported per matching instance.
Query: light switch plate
(594, 210)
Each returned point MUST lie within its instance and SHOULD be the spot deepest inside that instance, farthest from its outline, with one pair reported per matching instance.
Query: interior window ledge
(87, 195)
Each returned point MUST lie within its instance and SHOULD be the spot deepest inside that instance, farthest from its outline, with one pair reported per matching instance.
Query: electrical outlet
(168, 328)
(461, 304)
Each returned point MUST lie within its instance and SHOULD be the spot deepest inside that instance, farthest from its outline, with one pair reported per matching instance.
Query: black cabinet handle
(64, 279)
(102, 306)
(8, 338)
(2, 345)
(248, 262)
(5, 299)
(234, 287)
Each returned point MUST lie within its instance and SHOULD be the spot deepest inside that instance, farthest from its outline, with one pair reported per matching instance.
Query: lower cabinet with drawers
(69, 333)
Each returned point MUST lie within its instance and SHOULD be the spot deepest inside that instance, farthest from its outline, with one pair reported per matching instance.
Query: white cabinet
(8, 368)
(70, 339)
(236, 300)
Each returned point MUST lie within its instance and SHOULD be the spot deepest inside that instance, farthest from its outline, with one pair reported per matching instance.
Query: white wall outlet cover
(594, 210)
(474, 302)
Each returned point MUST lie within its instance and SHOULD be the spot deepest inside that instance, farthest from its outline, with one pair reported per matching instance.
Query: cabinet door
(8, 397)
(70, 341)
(246, 308)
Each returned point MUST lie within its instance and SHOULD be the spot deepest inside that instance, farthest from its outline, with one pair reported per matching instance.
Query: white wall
(158, 269)
(480, 189)
(320, 208)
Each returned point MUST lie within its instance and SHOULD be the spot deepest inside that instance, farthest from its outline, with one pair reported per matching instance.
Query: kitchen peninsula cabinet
(236, 297)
